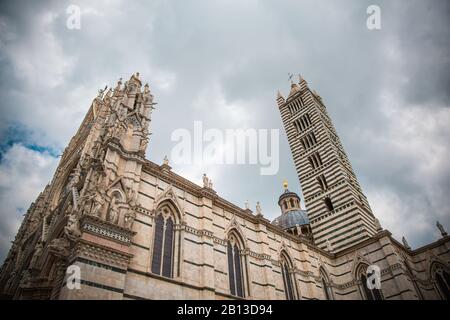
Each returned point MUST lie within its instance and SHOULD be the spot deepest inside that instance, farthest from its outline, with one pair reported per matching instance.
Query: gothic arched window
(163, 244)
(325, 283)
(287, 278)
(235, 267)
(442, 280)
(367, 293)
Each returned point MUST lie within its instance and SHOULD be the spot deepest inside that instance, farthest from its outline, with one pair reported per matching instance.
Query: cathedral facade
(114, 225)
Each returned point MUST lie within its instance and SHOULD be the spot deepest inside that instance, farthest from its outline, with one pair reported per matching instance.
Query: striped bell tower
(338, 210)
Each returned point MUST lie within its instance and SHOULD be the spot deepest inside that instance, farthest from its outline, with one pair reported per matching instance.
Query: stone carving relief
(72, 229)
(59, 247)
(113, 212)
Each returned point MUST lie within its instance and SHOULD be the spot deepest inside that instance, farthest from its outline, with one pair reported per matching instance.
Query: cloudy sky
(222, 62)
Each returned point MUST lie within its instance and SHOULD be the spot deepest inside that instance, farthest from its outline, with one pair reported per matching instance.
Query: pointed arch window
(442, 280)
(235, 270)
(326, 287)
(163, 244)
(367, 293)
(289, 285)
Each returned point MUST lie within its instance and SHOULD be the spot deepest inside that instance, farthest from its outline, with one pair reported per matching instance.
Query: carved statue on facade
(143, 145)
(258, 209)
(131, 198)
(36, 255)
(59, 247)
(113, 213)
(166, 161)
(74, 177)
(205, 181)
(129, 219)
(329, 247)
(97, 202)
(72, 229)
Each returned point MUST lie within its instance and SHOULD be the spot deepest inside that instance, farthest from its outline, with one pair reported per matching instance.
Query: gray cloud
(222, 63)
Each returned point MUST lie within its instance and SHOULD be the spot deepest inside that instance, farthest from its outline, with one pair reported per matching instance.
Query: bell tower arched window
(235, 267)
(163, 243)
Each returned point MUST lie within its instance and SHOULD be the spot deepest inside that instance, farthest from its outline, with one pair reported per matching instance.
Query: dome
(291, 219)
(287, 194)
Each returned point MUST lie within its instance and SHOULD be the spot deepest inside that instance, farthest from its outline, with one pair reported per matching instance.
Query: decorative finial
(258, 209)
(405, 243)
(290, 77)
(205, 181)
(119, 84)
(285, 184)
(299, 78)
(279, 95)
(137, 75)
(441, 229)
(166, 161)
(329, 247)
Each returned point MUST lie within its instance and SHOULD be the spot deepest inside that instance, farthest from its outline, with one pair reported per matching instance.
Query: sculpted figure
(131, 198)
(72, 230)
(143, 145)
(258, 208)
(36, 255)
(166, 161)
(113, 213)
(128, 220)
(97, 203)
(205, 181)
(329, 247)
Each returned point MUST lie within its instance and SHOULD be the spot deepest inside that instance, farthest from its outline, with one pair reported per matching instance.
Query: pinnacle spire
(279, 95)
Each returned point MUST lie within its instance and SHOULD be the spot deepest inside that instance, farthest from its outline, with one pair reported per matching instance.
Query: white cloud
(212, 102)
(38, 58)
(404, 216)
(23, 175)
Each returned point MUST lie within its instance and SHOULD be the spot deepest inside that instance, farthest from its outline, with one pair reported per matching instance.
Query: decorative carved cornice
(106, 229)
(134, 156)
(100, 254)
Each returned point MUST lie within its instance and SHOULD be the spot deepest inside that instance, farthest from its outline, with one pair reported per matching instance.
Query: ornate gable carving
(169, 194)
